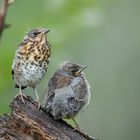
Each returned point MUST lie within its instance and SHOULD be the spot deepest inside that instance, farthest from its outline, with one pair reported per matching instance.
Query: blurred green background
(105, 36)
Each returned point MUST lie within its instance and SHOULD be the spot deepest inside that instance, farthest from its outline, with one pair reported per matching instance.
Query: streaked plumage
(31, 60)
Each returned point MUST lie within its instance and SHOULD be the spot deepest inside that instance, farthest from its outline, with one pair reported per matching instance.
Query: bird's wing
(15, 62)
(57, 82)
(50, 92)
(80, 89)
(16, 86)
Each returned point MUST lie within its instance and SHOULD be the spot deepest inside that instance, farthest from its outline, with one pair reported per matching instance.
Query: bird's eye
(36, 33)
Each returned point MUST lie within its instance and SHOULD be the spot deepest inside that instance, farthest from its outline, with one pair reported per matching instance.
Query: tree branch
(26, 122)
(3, 12)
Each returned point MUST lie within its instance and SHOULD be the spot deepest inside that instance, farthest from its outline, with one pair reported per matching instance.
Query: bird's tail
(22, 87)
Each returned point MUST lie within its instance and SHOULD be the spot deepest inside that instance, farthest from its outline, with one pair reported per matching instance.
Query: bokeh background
(105, 36)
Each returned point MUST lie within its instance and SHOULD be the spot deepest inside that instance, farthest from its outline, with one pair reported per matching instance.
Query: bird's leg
(77, 127)
(20, 94)
(37, 98)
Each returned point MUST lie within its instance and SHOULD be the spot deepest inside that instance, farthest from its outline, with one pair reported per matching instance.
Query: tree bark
(26, 122)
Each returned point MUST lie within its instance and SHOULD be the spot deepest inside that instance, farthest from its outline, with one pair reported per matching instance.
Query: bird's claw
(22, 97)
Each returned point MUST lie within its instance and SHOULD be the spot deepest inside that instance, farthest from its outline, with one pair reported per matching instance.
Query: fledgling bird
(31, 60)
(68, 92)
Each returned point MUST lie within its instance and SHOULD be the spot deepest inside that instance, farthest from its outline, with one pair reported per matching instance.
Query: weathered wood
(26, 122)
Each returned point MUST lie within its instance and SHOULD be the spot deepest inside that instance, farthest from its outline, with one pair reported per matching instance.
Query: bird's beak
(45, 31)
(80, 70)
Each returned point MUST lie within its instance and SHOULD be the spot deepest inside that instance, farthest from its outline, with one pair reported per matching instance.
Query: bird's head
(73, 69)
(37, 34)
